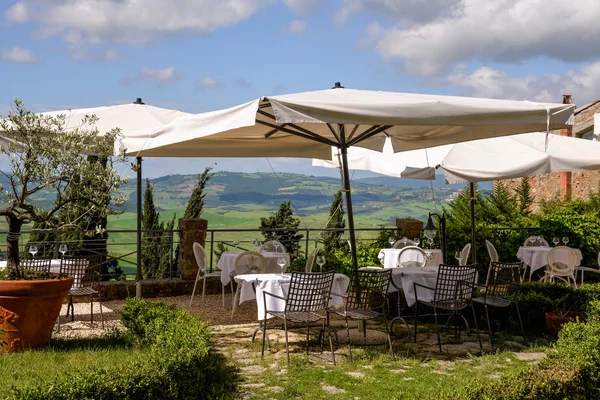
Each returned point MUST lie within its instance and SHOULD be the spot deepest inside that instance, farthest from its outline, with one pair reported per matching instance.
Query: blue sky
(201, 55)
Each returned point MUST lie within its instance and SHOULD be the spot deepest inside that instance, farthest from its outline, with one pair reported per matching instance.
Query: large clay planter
(28, 311)
(555, 320)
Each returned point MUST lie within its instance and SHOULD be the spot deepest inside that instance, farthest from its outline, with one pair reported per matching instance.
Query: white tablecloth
(278, 284)
(406, 277)
(54, 265)
(228, 258)
(537, 257)
(389, 257)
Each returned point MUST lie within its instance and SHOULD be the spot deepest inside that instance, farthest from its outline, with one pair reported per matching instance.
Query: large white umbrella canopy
(307, 124)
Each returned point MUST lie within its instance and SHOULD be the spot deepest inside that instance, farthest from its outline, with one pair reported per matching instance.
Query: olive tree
(49, 179)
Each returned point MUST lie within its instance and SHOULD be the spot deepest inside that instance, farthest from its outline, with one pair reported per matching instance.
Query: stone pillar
(411, 228)
(192, 230)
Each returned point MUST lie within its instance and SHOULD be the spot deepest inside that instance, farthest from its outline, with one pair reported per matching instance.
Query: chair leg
(193, 291)
(416, 320)
(391, 348)
(437, 328)
(262, 353)
(203, 288)
(72, 309)
(307, 337)
(101, 312)
(348, 339)
(235, 298)
(477, 328)
(520, 321)
(287, 346)
(223, 295)
(92, 310)
(489, 324)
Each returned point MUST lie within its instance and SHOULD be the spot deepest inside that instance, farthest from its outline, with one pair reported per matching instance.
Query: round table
(537, 257)
(389, 257)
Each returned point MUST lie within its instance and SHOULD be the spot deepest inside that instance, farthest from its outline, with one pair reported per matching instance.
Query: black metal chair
(452, 293)
(306, 302)
(86, 273)
(36, 264)
(503, 278)
(372, 296)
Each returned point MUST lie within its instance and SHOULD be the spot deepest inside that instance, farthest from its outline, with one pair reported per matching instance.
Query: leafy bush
(176, 362)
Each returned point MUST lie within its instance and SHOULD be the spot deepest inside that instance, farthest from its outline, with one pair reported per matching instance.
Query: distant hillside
(439, 182)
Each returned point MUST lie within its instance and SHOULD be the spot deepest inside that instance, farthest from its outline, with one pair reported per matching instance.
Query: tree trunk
(12, 246)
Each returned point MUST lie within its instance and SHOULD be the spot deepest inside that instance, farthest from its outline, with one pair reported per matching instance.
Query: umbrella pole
(138, 272)
(473, 247)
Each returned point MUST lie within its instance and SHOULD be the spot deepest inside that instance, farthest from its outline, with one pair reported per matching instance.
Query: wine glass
(276, 244)
(565, 240)
(404, 240)
(391, 241)
(417, 241)
(320, 262)
(556, 241)
(236, 242)
(63, 249)
(458, 257)
(540, 240)
(428, 256)
(33, 250)
(281, 261)
(430, 241)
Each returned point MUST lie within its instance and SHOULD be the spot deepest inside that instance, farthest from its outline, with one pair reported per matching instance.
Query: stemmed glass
(430, 241)
(320, 262)
(33, 250)
(281, 261)
(63, 249)
(428, 256)
(391, 241)
(540, 240)
(404, 240)
(236, 242)
(556, 241)
(458, 257)
(565, 240)
(417, 241)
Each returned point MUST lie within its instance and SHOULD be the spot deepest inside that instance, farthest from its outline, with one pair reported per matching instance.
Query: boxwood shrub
(176, 362)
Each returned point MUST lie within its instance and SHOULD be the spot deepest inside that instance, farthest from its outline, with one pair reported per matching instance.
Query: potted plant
(557, 318)
(56, 178)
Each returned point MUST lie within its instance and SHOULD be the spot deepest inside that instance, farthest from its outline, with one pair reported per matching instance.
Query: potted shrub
(56, 178)
(557, 318)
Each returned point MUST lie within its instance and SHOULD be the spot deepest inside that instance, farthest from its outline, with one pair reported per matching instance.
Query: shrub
(177, 362)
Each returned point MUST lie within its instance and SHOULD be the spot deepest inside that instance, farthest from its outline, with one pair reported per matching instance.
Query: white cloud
(583, 84)
(243, 83)
(112, 54)
(301, 6)
(19, 55)
(162, 77)
(279, 88)
(501, 31)
(208, 83)
(297, 27)
(17, 13)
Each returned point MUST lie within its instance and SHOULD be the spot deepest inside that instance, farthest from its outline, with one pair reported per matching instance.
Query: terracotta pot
(556, 319)
(28, 311)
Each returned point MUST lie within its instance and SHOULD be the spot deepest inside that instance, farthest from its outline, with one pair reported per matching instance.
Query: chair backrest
(464, 254)
(503, 277)
(401, 243)
(562, 261)
(492, 251)
(84, 270)
(412, 257)
(373, 288)
(598, 259)
(200, 255)
(449, 286)
(535, 241)
(309, 291)
(273, 246)
(250, 262)
(310, 261)
(36, 264)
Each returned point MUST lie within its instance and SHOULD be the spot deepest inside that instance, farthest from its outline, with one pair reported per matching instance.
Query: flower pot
(556, 319)
(28, 311)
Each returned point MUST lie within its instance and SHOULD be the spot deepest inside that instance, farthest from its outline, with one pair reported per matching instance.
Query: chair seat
(82, 291)
(298, 316)
(446, 304)
(212, 274)
(356, 313)
(493, 301)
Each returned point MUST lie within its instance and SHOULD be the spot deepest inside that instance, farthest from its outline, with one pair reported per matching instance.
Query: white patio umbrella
(308, 124)
(480, 160)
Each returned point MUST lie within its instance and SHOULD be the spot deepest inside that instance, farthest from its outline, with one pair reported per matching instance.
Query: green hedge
(176, 362)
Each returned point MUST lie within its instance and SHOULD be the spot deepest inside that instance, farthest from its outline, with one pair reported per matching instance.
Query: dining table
(227, 262)
(389, 257)
(537, 257)
(405, 278)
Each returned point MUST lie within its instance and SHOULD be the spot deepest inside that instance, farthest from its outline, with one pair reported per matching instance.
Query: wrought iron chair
(412, 257)
(272, 246)
(561, 265)
(247, 262)
(200, 255)
(583, 270)
(36, 264)
(86, 274)
(503, 279)
(401, 243)
(310, 261)
(493, 253)
(535, 241)
(306, 302)
(362, 304)
(452, 293)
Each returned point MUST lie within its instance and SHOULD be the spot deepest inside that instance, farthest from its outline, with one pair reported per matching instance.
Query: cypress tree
(283, 218)
(151, 238)
(332, 239)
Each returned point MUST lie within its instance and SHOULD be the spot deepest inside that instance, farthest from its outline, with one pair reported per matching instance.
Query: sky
(203, 55)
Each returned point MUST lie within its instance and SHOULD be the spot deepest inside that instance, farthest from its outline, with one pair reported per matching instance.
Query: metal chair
(306, 303)
(583, 270)
(561, 265)
(412, 257)
(493, 253)
(453, 292)
(464, 254)
(36, 264)
(532, 241)
(247, 262)
(401, 243)
(310, 261)
(503, 279)
(272, 246)
(86, 278)
(200, 255)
